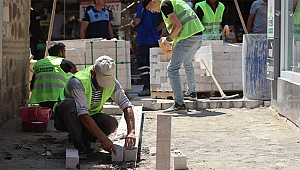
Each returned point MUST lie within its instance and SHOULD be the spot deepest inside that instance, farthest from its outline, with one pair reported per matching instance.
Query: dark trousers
(66, 120)
(142, 57)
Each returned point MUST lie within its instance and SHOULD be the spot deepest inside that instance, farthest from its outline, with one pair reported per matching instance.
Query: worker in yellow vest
(210, 13)
(79, 108)
(50, 76)
(185, 33)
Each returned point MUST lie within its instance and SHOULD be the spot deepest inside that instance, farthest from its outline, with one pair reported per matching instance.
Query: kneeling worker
(79, 108)
(50, 76)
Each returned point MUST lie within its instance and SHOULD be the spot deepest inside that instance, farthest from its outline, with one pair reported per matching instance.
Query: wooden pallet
(170, 94)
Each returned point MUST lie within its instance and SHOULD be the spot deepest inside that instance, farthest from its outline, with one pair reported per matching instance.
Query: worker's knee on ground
(67, 105)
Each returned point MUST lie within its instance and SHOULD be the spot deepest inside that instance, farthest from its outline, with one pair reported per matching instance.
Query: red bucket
(35, 119)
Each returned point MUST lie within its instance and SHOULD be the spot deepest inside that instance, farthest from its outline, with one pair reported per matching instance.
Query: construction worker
(210, 13)
(147, 37)
(96, 22)
(185, 33)
(50, 76)
(79, 108)
(258, 19)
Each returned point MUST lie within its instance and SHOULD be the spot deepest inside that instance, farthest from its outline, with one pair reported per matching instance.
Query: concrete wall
(15, 53)
(288, 101)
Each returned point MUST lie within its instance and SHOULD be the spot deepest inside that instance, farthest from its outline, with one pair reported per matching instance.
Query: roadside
(210, 139)
(227, 139)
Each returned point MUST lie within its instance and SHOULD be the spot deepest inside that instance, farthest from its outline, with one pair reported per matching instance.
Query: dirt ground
(225, 139)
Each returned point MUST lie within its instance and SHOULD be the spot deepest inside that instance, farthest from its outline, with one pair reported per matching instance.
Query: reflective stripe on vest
(211, 20)
(187, 17)
(50, 79)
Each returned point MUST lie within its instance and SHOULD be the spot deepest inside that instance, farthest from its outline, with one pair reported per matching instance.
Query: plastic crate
(35, 119)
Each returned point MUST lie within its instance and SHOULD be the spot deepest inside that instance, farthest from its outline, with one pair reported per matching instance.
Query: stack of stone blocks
(225, 61)
(83, 52)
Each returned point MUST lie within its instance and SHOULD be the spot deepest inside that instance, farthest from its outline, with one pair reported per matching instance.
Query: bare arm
(93, 128)
(177, 26)
(161, 26)
(110, 31)
(136, 21)
(130, 139)
(84, 25)
(250, 22)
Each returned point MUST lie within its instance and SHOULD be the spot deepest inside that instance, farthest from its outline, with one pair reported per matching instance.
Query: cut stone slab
(129, 155)
(72, 158)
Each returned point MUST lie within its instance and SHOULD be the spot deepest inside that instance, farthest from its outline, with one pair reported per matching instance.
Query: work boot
(145, 92)
(176, 108)
(81, 150)
(82, 153)
(190, 96)
(88, 147)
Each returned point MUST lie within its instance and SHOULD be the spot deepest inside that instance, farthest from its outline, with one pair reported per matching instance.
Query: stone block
(163, 141)
(236, 104)
(202, 105)
(120, 154)
(130, 154)
(225, 104)
(72, 158)
(178, 160)
(267, 103)
(250, 104)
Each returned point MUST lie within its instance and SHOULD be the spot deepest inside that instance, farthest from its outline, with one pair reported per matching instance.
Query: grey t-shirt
(260, 9)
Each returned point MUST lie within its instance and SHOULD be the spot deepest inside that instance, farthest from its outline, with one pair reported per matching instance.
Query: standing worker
(185, 30)
(79, 108)
(96, 22)
(35, 29)
(210, 13)
(58, 24)
(50, 76)
(147, 37)
(258, 19)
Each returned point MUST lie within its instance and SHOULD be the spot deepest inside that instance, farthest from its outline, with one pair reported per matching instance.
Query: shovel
(223, 95)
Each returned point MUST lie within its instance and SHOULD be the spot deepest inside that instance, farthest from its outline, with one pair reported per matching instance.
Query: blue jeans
(183, 53)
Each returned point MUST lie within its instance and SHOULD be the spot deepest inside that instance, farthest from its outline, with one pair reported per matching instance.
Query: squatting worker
(185, 30)
(79, 108)
(50, 76)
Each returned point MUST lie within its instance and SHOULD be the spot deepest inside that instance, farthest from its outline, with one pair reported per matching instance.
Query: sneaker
(82, 153)
(191, 96)
(145, 92)
(175, 108)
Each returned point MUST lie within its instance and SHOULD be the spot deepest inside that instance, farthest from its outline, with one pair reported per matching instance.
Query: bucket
(35, 119)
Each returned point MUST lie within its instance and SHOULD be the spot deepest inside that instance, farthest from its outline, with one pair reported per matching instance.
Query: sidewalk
(225, 139)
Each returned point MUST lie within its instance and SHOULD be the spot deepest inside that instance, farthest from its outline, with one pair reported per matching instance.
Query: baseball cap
(105, 69)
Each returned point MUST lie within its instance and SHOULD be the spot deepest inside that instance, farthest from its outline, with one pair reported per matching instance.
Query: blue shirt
(98, 23)
(147, 33)
(260, 9)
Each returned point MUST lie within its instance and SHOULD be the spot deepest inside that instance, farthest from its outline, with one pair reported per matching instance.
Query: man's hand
(107, 145)
(132, 23)
(165, 43)
(226, 30)
(130, 141)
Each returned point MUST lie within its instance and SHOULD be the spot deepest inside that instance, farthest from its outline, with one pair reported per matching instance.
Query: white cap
(105, 69)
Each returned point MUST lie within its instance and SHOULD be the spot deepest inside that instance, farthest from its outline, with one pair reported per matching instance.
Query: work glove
(132, 23)
(226, 30)
(165, 43)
